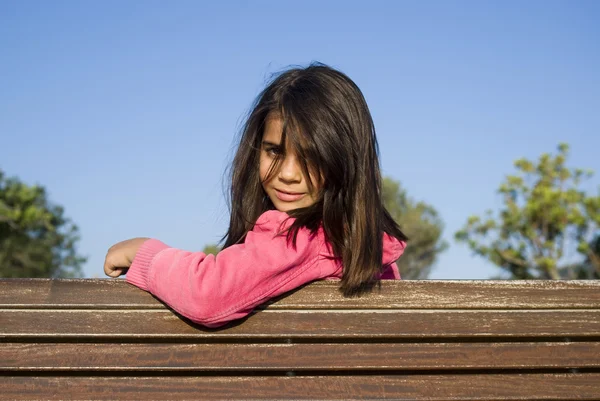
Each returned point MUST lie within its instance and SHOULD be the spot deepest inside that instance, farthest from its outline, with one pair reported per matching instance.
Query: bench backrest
(105, 339)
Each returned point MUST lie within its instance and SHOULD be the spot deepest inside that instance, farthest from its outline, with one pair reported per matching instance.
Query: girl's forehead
(273, 129)
(273, 132)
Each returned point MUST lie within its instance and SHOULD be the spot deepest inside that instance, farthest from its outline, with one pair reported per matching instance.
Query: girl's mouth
(288, 196)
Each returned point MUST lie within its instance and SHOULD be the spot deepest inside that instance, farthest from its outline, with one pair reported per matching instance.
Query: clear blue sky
(126, 110)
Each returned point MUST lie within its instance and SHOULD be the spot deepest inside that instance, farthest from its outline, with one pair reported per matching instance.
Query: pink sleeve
(212, 290)
(390, 272)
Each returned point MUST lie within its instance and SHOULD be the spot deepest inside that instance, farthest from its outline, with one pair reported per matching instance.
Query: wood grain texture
(392, 324)
(413, 387)
(421, 340)
(427, 294)
(298, 357)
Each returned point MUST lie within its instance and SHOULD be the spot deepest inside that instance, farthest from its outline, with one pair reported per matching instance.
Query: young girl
(305, 205)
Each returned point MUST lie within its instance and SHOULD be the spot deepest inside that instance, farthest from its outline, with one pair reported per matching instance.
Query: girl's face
(287, 187)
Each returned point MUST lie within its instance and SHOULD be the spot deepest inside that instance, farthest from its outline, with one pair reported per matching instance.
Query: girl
(305, 205)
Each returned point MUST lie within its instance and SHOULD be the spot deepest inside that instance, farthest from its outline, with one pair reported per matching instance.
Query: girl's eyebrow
(267, 143)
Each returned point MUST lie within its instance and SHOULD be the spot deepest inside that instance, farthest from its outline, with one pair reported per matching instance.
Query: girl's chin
(287, 206)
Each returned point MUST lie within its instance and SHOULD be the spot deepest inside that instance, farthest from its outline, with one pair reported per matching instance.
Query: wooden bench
(433, 340)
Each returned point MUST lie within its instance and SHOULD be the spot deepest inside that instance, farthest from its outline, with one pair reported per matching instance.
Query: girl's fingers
(111, 268)
(115, 272)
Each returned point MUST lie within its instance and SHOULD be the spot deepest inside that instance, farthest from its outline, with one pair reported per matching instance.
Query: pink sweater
(213, 290)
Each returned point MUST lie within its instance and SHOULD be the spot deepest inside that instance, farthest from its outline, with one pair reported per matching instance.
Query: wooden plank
(393, 324)
(585, 386)
(74, 293)
(428, 294)
(457, 294)
(297, 357)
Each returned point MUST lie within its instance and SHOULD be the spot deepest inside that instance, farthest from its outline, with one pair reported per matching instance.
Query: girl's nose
(289, 170)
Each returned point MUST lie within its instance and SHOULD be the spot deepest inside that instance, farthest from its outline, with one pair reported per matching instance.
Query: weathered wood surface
(432, 294)
(303, 324)
(561, 386)
(424, 340)
(297, 357)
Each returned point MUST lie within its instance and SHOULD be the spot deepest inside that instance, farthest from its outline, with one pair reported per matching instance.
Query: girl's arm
(212, 290)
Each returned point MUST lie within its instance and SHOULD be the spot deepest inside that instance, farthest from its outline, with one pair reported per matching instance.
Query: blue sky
(127, 110)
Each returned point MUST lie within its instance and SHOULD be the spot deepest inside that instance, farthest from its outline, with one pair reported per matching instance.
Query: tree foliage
(548, 226)
(423, 226)
(36, 239)
(211, 248)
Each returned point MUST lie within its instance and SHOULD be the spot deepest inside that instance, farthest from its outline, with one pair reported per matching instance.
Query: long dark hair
(329, 126)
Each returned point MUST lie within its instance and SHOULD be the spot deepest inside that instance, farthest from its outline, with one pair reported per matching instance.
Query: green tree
(588, 269)
(211, 248)
(547, 225)
(423, 226)
(36, 239)
(418, 220)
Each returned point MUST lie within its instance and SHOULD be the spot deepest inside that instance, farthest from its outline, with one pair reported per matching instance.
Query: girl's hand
(120, 255)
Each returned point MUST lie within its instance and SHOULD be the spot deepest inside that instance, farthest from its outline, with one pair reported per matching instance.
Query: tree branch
(594, 259)
(512, 260)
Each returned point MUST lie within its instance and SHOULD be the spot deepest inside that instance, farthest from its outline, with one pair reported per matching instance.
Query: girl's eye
(273, 151)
